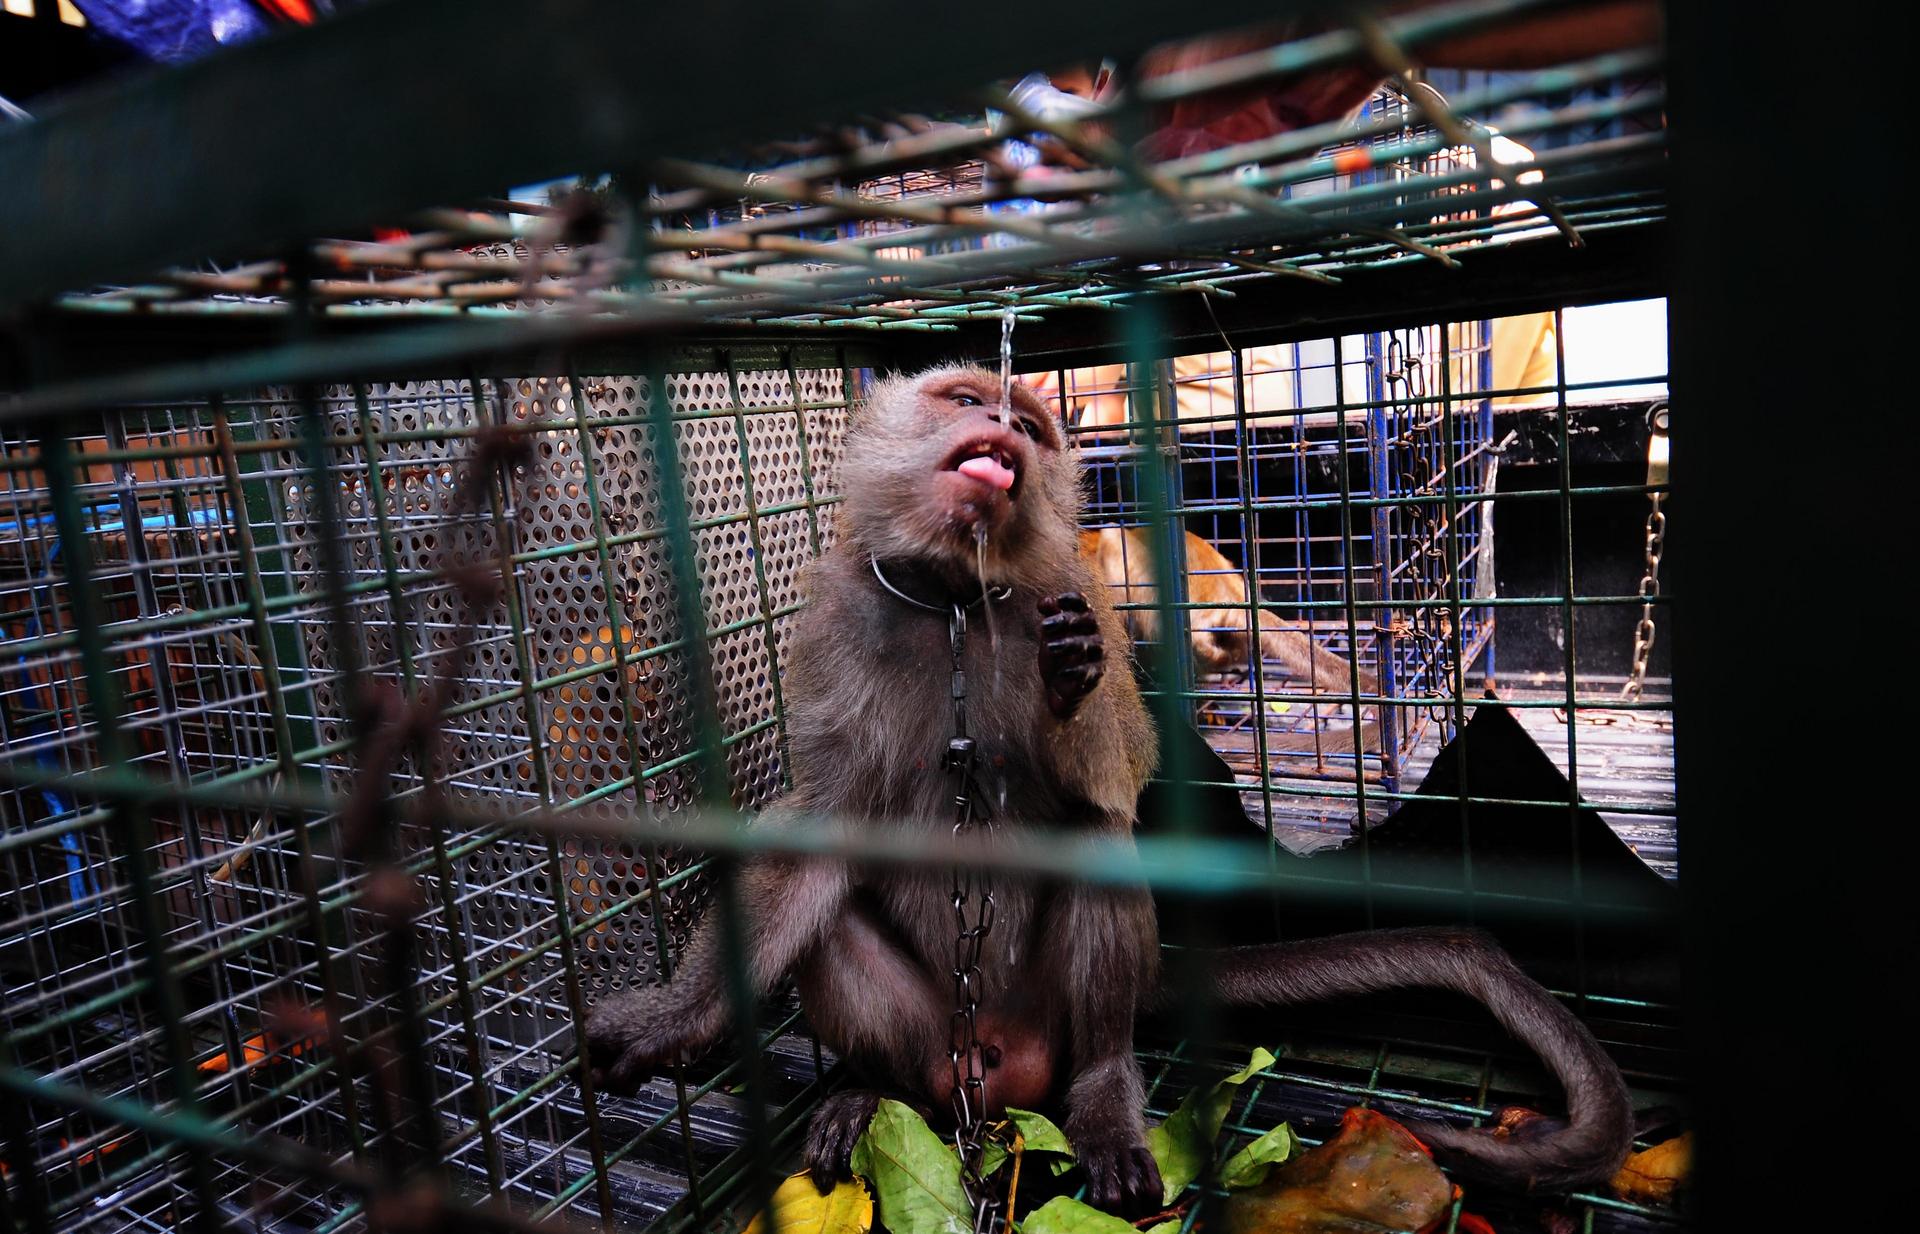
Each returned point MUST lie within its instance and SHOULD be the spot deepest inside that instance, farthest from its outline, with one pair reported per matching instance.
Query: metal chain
(1430, 627)
(1649, 588)
(1643, 633)
(973, 919)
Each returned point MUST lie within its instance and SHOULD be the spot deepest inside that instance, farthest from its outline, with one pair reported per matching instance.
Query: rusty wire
(824, 238)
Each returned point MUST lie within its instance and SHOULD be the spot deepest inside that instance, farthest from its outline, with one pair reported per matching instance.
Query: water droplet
(1006, 363)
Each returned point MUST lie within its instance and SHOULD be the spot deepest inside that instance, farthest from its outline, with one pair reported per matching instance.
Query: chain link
(1643, 633)
(973, 920)
(1649, 588)
(1428, 571)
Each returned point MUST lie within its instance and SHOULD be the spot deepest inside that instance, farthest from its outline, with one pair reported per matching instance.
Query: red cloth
(290, 10)
(1227, 118)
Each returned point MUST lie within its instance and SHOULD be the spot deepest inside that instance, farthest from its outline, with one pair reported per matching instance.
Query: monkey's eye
(965, 400)
(1028, 427)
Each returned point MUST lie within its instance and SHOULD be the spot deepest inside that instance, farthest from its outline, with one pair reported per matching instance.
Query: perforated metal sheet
(584, 513)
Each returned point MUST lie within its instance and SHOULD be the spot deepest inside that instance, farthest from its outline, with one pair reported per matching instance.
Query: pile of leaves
(1372, 1178)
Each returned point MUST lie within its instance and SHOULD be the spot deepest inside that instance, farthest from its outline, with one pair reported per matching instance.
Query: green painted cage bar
(393, 630)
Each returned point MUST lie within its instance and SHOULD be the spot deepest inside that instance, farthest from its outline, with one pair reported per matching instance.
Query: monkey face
(933, 461)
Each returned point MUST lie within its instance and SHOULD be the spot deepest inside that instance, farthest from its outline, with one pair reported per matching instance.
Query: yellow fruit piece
(1653, 1176)
(799, 1208)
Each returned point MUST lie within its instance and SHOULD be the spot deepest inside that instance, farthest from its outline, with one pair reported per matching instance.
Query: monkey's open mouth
(987, 462)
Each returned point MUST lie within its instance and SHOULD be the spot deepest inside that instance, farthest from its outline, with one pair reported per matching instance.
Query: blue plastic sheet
(173, 30)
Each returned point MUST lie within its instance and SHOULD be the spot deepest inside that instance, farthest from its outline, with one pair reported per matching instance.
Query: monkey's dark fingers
(1066, 652)
(630, 1036)
(1065, 602)
(635, 1067)
(1068, 687)
(582, 1057)
(1066, 625)
(1123, 1180)
(836, 1127)
(1077, 680)
(600, 1053)
(1060, 616)
(1082, 677)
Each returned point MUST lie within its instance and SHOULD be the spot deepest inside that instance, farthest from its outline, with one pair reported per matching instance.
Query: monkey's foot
(1072, 653)
(836, 1127)
(1122, 1178)
(632, 1036)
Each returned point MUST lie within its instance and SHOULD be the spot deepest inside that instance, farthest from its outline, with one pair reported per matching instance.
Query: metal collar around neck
(995, 594)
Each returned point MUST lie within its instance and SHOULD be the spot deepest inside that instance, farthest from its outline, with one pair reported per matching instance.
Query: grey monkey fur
(1066, 968)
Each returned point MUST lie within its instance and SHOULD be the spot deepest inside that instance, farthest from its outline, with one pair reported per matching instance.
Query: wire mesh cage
(330, 646)
(1267, 450)
(267, 690)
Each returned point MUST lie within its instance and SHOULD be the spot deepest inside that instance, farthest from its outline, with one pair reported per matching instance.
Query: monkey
(1123, 558)
(931, 465)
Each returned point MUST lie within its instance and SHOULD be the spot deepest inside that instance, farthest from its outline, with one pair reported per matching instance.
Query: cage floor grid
(1411, 1059)
(1623, 759)
(1421, 1057)
(1407, 1057)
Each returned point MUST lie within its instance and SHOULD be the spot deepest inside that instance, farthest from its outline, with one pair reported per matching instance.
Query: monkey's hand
(836, 1127)
(631, 1036)
(1072, 653)
(1122, 1176)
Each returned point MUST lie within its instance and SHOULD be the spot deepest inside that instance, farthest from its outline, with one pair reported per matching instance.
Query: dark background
(40, 54)
(1609, 538)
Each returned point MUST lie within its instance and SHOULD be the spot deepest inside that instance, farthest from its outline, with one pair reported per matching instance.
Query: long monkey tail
(1308, 660)
(1599, 1128)
(1332, 742)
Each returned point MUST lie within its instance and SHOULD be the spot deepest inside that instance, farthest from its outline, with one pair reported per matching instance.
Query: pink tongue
(987, 470)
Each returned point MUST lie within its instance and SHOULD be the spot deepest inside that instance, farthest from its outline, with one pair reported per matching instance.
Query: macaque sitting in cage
(955, 504)
(1123, 559)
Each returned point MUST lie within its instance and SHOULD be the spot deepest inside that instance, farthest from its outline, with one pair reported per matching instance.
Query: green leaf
(1165, 1227)
(1249, 1167)
(914, 1175)
(1039, 1132)
(1066, 1215)
(1182, 1145)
